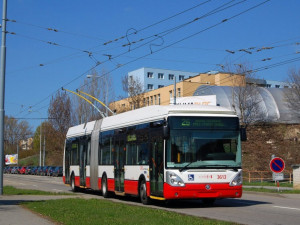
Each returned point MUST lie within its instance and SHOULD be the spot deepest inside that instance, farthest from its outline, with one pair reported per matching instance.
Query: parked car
(18, 170)
(28, 169)
(44, 171)
(14, 170)
(22, 170)
(57, 172)
(50, 170)
(7, 169)
(33, 170)
(39, 170)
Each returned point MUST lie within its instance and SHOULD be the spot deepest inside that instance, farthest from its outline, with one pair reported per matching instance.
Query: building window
(171, 76)
(144, 102)
(277, 86)
(268, 85)
(155, 100)
(170, 92)
(151, 100)
(158, 98)
(178, 92)
(150, 75)
(123, 105)
(147, 101)
(150, 86)
(181, 77)
(160, 86)
(160, 76)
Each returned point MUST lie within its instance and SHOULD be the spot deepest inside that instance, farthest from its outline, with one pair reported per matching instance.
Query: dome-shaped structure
(271, 102)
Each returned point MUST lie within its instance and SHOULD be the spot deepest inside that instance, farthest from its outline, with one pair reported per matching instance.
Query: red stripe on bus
(193, 191)
(64, 179)
(77, 181)
(111, 184)
(88, 182)
(131, 187)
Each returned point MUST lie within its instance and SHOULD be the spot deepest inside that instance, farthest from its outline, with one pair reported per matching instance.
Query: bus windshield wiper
(186, 166)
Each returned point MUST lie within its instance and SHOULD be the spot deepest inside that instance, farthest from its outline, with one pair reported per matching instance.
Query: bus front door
(156, 165)
(68, 161)
(119, 158)
(82, 162)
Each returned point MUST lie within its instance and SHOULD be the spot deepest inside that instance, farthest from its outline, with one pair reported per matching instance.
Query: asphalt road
(252, 208)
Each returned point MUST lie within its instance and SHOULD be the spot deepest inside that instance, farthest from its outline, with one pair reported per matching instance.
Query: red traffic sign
(277, 165)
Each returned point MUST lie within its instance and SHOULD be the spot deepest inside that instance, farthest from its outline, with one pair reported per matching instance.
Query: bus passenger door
(82, 161)
(68, 161)
(119, 158)
(156, 164)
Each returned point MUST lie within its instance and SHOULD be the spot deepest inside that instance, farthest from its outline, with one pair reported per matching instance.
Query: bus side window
(143, 154)
(131, 155)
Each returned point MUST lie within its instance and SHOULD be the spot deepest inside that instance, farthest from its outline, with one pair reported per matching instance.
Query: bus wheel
(104, 188)
(143, 193)
(73, 187)
(208, 201)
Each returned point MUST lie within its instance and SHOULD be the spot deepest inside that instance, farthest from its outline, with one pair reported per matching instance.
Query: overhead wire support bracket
(96, 100)
(101, 113)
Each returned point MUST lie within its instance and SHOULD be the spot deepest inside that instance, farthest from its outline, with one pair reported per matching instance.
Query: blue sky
(87, 25)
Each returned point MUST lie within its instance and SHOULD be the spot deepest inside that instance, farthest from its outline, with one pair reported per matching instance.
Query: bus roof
(149, 114)
(157, 112)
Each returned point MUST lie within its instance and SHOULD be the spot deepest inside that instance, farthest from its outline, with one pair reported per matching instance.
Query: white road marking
(57, 190)
(281, 207)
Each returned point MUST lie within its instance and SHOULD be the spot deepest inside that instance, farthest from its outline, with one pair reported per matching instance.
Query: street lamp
(106, 87)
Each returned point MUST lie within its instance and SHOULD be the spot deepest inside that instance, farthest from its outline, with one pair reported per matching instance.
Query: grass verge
(271, 190)
(95, 211)
(282, 184)
(10, 190)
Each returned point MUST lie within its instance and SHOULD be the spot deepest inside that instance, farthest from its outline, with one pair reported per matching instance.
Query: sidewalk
(11, 213)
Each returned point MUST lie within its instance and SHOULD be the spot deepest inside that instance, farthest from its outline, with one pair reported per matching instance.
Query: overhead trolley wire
(176, 42)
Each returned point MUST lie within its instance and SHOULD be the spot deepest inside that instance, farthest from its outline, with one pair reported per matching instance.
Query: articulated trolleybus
(158, 152)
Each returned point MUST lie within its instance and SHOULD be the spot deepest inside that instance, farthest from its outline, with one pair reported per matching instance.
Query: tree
(245, 95)
(15, 131)
(60, 111)
(292, 95)
(98, 86)
(135, 90)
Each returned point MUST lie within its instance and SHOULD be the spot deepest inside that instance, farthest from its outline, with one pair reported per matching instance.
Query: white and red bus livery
(158, 152)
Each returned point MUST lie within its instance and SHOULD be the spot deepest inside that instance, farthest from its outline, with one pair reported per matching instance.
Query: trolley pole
(2, 92)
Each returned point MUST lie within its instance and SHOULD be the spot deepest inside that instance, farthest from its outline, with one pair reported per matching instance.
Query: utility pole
(44, 150)
(2, 92)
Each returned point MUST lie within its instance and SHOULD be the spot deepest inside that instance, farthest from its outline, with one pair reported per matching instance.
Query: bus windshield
(203, 142)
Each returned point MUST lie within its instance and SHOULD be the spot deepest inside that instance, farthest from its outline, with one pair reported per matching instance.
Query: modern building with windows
(154, 78)
(187, 87)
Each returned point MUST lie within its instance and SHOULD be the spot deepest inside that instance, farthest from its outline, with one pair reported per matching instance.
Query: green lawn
(271, 190)
(9, 190)
(95, 211)
(271, 183)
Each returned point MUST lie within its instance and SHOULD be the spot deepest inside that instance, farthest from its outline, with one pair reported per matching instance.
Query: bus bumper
(194, 191)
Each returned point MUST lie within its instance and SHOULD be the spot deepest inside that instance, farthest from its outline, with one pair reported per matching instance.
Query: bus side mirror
(243, 134)
(166, 132)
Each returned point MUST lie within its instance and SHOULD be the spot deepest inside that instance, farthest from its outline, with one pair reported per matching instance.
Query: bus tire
(104, 188)
(143, 193)
(73, 187)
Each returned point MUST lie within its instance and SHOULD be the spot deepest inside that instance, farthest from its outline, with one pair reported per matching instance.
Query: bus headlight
(238, 180)
(174, 180)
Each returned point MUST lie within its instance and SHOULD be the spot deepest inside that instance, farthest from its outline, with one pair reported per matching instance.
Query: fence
(261, 176)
